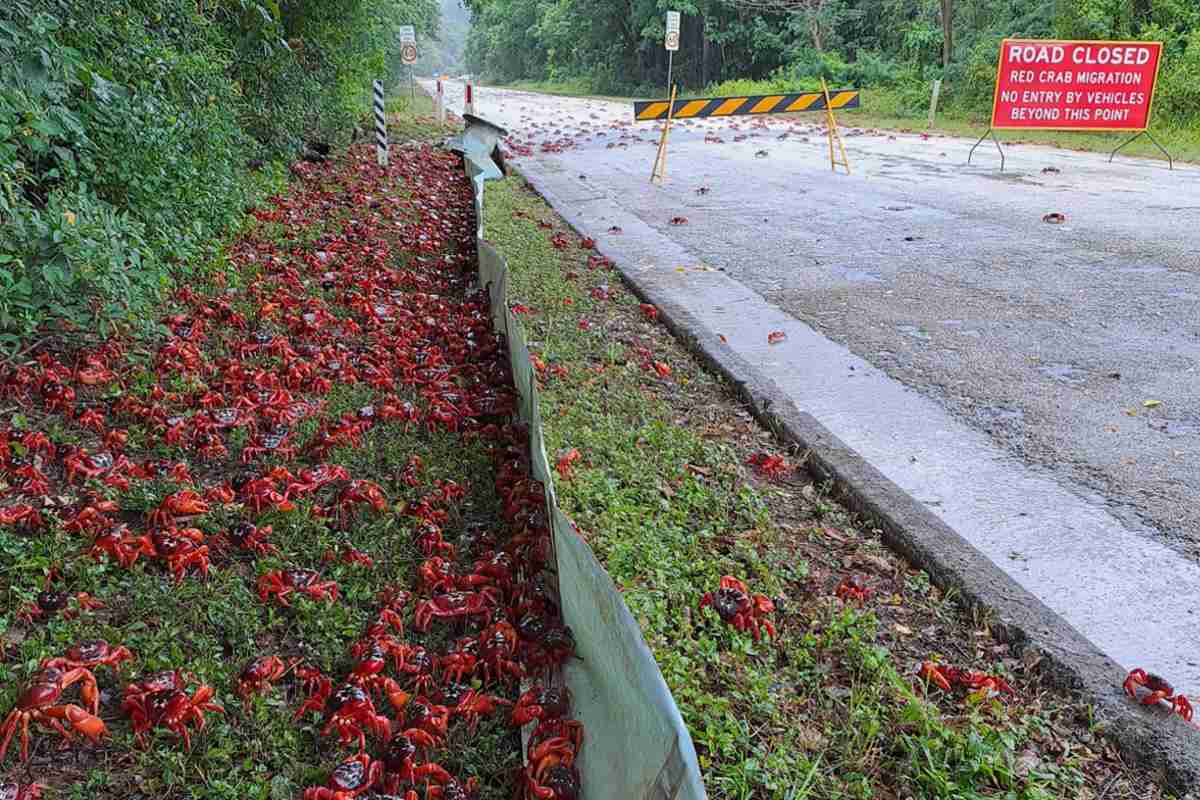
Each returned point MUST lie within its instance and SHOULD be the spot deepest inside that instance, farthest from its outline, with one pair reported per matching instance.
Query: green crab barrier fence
(637, 746)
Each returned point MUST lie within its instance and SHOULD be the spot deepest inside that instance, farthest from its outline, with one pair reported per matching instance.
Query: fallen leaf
(721, 336)
(775, 337)
(1152, 403)
(903, 630)
(698, 470)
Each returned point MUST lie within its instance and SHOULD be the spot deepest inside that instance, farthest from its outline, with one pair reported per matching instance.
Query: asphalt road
(974, 330)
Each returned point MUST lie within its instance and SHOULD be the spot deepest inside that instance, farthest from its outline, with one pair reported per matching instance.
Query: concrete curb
(1069, 661)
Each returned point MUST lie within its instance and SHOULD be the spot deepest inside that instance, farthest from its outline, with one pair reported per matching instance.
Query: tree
(947, 31)
(811, 10)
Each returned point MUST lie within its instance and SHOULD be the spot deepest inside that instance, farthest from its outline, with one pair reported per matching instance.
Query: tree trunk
(704, 45)
(947, 31)
(814, 28)
(1142, 11)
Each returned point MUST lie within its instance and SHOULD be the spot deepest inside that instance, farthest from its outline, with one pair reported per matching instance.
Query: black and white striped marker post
(381, 140)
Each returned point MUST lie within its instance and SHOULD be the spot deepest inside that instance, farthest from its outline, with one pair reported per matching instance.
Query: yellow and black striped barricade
(646, 110)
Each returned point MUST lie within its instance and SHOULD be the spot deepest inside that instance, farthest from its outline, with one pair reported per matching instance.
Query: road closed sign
(1086, 86)
(672, 41)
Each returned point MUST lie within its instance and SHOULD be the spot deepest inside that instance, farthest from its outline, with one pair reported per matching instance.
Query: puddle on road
(1143, 270)
(1176, 428)
(1183, 294)
(915, 332)
(857, 275)
(989, 414)
(1066, 373)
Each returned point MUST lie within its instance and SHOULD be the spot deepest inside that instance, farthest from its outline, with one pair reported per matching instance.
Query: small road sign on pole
(381, 139)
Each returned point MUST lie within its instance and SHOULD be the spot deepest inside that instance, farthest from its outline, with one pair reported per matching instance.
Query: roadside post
(933, 101)
(469, 100)
(441, 103)
(1070, 85)
(381, 137)
(408, 54)
(671, 42)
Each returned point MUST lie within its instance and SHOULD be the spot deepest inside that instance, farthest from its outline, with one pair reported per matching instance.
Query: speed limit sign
(408, 53)
(672, 42)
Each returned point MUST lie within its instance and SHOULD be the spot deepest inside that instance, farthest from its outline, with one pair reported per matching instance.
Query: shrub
(126, 129)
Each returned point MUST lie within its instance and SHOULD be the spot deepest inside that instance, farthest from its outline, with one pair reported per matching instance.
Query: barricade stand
(1150, 136)
(831, 126)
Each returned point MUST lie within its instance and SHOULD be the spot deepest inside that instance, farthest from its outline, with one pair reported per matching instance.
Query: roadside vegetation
(653, 456)
(893, 50)
(134, 135)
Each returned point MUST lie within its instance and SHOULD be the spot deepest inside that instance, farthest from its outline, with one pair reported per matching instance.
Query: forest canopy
(615, 46)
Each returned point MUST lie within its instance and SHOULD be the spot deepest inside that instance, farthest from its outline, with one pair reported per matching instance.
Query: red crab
(565, 463)
(182, 549)
(22, 515)
(774, 467)
(497, 652)
(399, 755)
(39, 703)
(283, 583)
(851, 589)
(12, 790)
(543, 704)
(423, 714)
(183, 503)
(351, 778)
(475, 705)
(316, 685)
(272, 441)
(258, 675)
(162, 700)
(1160, 689)
(351, 711)
(456, 604)
(446, 786)
(981, 684)
(551, 773)
(735, 606)
(89, 655)
(252, 538)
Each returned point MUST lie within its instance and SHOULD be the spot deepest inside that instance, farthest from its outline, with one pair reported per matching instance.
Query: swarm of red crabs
(241, 401)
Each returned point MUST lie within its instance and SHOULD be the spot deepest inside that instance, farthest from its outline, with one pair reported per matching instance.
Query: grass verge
(832, 708)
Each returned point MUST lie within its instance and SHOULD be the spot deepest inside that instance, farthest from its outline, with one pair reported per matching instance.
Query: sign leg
(988, 132)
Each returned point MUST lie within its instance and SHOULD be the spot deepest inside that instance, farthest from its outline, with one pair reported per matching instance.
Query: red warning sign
(1085, 86)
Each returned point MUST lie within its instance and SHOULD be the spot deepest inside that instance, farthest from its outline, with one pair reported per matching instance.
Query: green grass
(832, 709)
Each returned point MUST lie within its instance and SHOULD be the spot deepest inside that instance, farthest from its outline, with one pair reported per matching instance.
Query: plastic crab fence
(636, 746)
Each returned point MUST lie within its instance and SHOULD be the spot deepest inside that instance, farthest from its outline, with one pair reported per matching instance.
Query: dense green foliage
(130, 132)
(616, 46)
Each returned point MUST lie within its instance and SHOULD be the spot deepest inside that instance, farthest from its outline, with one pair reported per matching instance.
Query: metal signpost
(671, 42)
(408, 55)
